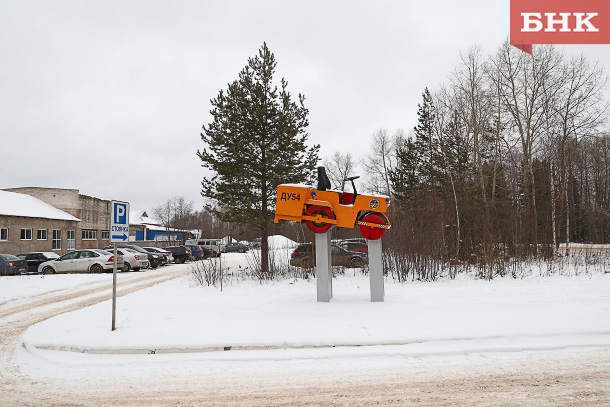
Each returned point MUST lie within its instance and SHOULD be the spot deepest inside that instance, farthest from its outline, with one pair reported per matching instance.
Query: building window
(56, 239)
(71, 241)
(89, 234)
(41, 234)
(26, 234)
(105, 235)
(3, 235)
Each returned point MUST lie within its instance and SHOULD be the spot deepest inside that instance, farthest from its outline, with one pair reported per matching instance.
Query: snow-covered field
(281, 320)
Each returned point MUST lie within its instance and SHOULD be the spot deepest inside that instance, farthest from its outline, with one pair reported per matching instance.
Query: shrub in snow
(404, 267)
(279, 266)
(208, 272)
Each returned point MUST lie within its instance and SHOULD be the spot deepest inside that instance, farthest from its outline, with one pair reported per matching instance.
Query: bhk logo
(559, 22)
(532, 22)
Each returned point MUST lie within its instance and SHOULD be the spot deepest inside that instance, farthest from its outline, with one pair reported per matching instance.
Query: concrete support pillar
(376, 271)
(324, 268)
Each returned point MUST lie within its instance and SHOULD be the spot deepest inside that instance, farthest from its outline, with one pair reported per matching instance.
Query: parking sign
(119, 222)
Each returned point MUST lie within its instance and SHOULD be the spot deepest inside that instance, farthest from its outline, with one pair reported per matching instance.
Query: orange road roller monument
(322, 208)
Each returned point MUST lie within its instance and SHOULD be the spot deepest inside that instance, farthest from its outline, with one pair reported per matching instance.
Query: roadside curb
(424, 347)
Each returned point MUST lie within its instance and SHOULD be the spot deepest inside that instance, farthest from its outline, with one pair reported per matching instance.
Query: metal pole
(114, 290)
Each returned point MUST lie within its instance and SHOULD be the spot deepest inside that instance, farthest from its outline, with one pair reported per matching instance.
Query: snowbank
(281, 242)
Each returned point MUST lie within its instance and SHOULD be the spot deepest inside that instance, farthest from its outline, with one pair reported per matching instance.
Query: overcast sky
(109, 97)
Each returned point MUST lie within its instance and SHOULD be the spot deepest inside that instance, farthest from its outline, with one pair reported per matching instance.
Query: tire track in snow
(54, 300)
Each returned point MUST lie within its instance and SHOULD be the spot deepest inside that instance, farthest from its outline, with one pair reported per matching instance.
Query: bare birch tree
(381, 160)
(338, 168)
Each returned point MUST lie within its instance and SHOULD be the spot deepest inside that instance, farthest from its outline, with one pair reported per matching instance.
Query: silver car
(133, 259)
(82, 261)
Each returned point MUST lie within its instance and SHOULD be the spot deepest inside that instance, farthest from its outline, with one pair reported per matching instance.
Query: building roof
(15, 204)
(141, 218)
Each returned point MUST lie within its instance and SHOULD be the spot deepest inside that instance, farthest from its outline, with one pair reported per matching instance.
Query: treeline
(509, 158)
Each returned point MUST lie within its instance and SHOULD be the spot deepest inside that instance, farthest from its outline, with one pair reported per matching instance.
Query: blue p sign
(120, 213)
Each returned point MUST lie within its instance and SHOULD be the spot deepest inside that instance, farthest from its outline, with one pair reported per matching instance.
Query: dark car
(35, 259)
(236, 247)
(180, 253)
(167, 256)
(12, 265)
(305, 256)
(154, 260)
(207, 253)
(355, 247)
(198, 252)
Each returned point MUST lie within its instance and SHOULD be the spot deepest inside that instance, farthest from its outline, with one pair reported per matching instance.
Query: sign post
(119, 233)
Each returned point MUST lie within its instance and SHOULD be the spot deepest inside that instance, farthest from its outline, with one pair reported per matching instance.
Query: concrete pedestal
(376, 271)
(324, 268)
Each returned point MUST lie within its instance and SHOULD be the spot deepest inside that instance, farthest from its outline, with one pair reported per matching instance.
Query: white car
(168, 258)
(81, 261)
(133, 259)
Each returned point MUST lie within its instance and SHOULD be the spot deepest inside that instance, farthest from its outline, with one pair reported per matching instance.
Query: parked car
(180, 253)
(153, 259)
(305, 256)
(214, 245)
(35, 259)
(133, 259)
(12, 265)
(167, 256)
(354, 247)
(236, 247)
(82, 261)
(198, 252)
(354, 240)
(207, 253)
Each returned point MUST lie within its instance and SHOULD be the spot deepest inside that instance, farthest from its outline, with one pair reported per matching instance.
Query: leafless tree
(164, 213)
(521, 83)
(183, 214)
(338, 168)
(176, 214)
(381, 160)
(580, 110)
(472, 102)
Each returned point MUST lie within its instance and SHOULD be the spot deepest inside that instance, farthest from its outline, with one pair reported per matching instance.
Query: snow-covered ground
(281, 320)
(17, 289)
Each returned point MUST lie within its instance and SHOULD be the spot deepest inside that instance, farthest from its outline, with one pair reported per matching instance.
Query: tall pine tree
(419, 166)
(427, 143)
(256, 141)
(404, 177)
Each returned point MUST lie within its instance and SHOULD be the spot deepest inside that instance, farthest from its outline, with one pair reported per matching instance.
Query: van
(214, 245)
